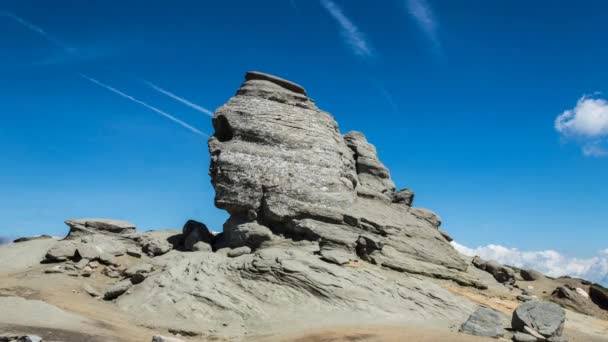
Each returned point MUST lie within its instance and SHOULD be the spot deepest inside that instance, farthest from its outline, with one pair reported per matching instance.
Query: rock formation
(317, 234)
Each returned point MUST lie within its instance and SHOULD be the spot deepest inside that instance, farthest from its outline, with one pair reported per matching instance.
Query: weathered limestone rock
(82, 227)
(599, 295)
(117, 289)
(404, 196)
(531, 275)
(484, 322)
(546, 318)
(237, 252)
(374, 178)
(501, 273)
(61, 251)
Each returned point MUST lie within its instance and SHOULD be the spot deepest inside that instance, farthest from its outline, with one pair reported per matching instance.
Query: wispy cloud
(142, 103)
(586, 123)
(421, 12)
(179, 99)
(549, 262)
(350, 32)
(37, 29)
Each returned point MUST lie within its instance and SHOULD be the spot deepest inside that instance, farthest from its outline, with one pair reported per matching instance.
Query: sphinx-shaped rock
(280, 166)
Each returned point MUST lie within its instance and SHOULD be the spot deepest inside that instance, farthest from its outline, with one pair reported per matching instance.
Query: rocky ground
(320, 246)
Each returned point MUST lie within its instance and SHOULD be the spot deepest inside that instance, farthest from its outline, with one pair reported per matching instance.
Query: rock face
(544, 318)
(280, 167)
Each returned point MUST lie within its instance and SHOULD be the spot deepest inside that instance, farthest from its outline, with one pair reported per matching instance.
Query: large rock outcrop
(280, 162)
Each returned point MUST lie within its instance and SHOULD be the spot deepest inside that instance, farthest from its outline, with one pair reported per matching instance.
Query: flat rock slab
(484, 322)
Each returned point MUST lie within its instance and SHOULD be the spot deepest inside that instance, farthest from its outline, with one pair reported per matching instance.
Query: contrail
(37, 30)
(142, 103)
(177, 98)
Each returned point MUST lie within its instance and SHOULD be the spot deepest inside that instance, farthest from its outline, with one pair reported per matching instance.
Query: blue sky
(460, 98)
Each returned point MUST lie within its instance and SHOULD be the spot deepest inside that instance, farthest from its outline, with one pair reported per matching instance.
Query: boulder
(134, 252)
(139, 269)
(88, 251)
(544, 317)
(531, 275)
(404, 196)
(599, 295)
(154, 246)
(91, 290)
(239, 233)
(484, 322)
(117, 289)
(194, 232)
(568, 297)
(202, 247)
(501, 273)
(61, 251)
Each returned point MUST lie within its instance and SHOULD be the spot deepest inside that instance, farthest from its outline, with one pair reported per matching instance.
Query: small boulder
(138, 278)
(107, 259)
(117, 289)
(544, 317)
(237, 252)
(194, 232)
(239, 232)
(404, 196)
(484, 322)
(501, 273)
(202, 247)
(155, 246)
(531, 275)
(139, 269)
(61, 251)
(88, 251)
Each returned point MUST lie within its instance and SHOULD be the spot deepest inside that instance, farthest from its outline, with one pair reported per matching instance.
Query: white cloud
(37, 30)
(143, 104)
(549, 262)
(353, 37)
(421, 11)
(586, 123)
(179, 99)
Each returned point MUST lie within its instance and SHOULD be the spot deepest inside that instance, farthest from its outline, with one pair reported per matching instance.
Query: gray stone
(374, 177)
(202, 247)
(194, 232)
(155, 246)
(88, 251)
(82, 227)
(484, 322)
(501, 273)
(522, 337)
(237, 252)
(545, 317)
(117, 289)
(107, 259)
(445, 235)
(30, 338)
(239, 232)
(134, 252)
(61, 251)
(531, 275)
(427, 215)
(139, 269)
(110, 273)
(138, 278)
(404, 196)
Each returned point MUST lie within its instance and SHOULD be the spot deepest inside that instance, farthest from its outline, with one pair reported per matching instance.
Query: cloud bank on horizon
(587, 124)
(549, 262)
